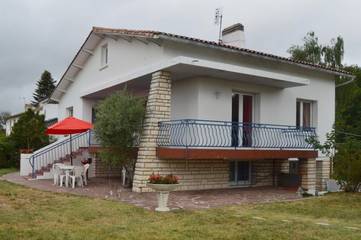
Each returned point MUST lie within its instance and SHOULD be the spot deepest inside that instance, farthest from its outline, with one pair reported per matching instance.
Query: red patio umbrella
(70, 125)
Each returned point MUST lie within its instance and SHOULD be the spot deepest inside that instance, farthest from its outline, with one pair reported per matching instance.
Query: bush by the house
(345, 160)
(7, 152)
(347, 165)
(118, 125)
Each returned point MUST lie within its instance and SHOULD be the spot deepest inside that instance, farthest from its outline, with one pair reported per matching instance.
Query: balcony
(217, 139)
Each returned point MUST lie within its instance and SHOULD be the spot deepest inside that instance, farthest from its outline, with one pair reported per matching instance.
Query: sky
(38, 35)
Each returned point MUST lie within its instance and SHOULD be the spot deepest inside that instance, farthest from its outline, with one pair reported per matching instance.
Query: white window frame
(104, 56)
(312, 111)
(255, 105)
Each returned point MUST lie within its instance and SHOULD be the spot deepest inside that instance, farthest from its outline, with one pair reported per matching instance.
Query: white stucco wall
(9, 125)
(123, 57)
(50, 111)
(211, 99)
(204, 97)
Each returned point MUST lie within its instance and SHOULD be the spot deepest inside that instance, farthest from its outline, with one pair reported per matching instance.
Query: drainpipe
(347, 82)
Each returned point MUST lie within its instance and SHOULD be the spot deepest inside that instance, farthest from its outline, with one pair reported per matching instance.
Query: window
(305, 113)
(69, 111)
(104, 55)
(94, 116)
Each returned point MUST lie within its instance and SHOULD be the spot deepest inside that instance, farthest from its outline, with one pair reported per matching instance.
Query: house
(47, 108)
(10, 122)
(218, 115)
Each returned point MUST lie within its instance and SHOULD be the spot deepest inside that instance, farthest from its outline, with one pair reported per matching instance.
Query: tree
(3, 118)
(7, 152)
(29, 131)
(347, 165)
(345, 159)
(117, 127)
(348, 106)
(44, 88)
(314, 52)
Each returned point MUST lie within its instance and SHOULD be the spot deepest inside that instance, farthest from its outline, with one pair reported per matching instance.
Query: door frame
(243, 183)
(240, 104)
(237, 140)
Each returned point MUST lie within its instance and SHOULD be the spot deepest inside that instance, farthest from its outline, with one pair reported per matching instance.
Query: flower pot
(163, 194)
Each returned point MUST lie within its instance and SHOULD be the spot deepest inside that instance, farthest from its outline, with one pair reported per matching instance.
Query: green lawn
(7, 170)
(31, 214)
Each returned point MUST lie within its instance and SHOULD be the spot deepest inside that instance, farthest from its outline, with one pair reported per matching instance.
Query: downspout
(347, 82)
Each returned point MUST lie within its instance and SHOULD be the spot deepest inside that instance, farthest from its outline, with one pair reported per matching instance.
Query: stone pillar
(322, 173)
(157, 109)
(307, 168)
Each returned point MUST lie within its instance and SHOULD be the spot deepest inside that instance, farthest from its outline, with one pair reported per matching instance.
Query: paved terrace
(202, 199)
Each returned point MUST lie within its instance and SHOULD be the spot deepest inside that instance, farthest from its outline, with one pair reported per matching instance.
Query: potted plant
(163, 185)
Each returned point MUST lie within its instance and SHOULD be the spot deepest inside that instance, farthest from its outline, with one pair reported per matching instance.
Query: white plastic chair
(77, 175)
(86, 168)
(56, 172)
(62, 177)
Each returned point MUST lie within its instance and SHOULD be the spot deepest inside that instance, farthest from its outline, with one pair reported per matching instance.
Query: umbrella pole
(71, 152)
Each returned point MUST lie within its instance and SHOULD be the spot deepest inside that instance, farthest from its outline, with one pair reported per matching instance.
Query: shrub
(347, 165)
(8, 153)
(117, 127)
(29, 131)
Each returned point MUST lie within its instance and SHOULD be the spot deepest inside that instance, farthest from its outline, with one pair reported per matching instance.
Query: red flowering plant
(158, 179)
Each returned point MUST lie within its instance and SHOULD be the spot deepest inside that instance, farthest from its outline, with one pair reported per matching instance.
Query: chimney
(234, 35)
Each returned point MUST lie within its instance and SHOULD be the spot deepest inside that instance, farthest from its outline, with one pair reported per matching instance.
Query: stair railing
(57, 150)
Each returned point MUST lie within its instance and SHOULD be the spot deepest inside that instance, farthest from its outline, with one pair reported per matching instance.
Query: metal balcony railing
(218, 134)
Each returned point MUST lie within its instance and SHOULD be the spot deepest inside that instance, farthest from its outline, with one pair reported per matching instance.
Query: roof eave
(233, 50)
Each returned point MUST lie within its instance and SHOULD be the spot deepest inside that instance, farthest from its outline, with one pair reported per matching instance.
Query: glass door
(240, 173)
(242, 111)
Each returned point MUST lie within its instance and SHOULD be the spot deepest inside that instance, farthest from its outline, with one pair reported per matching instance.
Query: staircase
(42, 160)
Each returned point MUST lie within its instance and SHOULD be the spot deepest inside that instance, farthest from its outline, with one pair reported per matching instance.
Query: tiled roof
(157, 34)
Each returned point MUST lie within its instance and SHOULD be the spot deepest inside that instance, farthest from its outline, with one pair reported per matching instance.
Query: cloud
(45, 34)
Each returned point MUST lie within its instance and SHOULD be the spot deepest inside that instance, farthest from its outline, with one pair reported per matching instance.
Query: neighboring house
(218, 115)
(47, 108)
(10, 122)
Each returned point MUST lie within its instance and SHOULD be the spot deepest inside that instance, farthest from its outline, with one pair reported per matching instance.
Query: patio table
(67, 169)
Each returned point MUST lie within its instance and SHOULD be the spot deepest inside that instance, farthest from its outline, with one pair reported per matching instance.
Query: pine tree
(44, 87)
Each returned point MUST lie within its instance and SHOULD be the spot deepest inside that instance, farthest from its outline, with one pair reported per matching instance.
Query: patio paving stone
(200, 199)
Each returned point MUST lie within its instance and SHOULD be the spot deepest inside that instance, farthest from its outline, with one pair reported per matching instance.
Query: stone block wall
(157, 109)
(194, 174)
(322, 173)
(307, 170)
(211, 174)
(264, 172)
(102, 170)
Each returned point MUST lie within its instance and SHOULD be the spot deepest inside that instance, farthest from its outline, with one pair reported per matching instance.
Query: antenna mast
(218, 21)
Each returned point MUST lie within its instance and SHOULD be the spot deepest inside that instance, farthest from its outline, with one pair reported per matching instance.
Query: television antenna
(218, 21)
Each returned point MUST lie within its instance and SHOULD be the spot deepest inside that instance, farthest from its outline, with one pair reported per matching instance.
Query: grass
(4, 171)
(32, 214)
